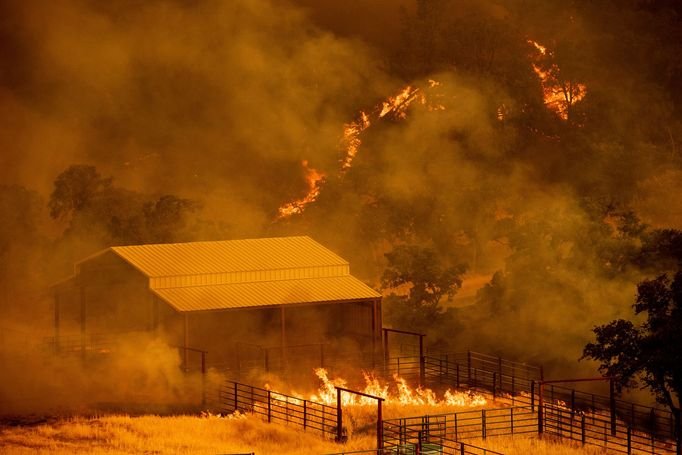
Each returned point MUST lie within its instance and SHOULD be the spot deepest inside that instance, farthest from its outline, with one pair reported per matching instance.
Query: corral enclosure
(259, 301)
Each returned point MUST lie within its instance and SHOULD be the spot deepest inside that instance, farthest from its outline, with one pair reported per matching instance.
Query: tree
(166, 217)
(650, 353)
(425, 278)
(74, 188)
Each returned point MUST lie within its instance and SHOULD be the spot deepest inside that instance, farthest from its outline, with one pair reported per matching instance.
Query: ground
(207, 434)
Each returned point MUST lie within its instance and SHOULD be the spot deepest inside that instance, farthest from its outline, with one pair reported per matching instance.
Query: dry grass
(165, 435)
(211, 435)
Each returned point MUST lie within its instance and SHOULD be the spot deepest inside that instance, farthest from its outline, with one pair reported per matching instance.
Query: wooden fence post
(305, 414)
(629, 439)
(532, 396)
(582, 429)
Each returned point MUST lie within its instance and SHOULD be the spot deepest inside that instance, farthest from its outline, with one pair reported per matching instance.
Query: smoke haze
(219, 103)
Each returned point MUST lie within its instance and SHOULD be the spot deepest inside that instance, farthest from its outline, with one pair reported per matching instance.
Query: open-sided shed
(217, 296)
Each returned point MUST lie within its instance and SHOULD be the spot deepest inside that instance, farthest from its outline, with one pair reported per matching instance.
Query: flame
(351, 138)
(394, 106)
(403, 395)
(398, 104)
(559, 95)
(314, 179)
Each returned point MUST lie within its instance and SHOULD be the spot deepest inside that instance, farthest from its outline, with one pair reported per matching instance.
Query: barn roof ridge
(160, 260)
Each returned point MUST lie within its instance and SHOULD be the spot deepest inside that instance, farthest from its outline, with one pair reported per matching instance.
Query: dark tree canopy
(428, 279)
(648, 354)
(74, 188)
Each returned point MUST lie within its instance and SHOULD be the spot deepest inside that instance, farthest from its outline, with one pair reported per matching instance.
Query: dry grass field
(208, 434)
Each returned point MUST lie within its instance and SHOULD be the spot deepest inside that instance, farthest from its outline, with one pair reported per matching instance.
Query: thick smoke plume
(192, 120)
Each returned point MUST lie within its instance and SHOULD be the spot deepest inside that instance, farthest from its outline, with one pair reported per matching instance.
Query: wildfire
(351, 138)
(394, 107)
(314, 179)
(559, 94)
(403, 395)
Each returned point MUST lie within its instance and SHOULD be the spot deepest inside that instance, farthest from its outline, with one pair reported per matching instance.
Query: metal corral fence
(277, 407)
(597, 430)
(421, 437)
(458, 426)
(519, 382)
(657, 422)
(630, 426)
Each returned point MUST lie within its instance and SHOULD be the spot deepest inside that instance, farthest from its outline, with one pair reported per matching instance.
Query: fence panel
(596, 430)
(273, 406)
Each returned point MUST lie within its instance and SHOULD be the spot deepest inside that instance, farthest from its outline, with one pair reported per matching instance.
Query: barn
(260, 301)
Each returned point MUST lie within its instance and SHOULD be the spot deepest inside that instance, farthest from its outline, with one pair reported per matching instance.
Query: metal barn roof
(267, 293)
(230, 274)
(198, 258)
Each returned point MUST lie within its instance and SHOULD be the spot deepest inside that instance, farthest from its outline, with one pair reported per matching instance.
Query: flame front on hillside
(400, 394)
(559, 92)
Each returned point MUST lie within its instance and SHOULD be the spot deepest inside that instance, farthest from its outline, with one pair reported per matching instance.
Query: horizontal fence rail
(655, 421)
(597, 430)
(460, 426)
(427, 435)
(519, 383)
(277, 407)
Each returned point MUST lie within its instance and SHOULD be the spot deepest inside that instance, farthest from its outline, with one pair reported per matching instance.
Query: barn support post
(155, 314)
(386, 354)
(185, 341)
(203, 379)
(283, 334)
(422, 362)
(374, 334)
(56, 321)
(81, 293)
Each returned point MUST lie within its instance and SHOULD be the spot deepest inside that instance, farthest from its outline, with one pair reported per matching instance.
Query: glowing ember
(404, 394)
(314, 178)
(559, 94)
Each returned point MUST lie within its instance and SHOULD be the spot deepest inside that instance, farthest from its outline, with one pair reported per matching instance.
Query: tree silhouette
(648, 354)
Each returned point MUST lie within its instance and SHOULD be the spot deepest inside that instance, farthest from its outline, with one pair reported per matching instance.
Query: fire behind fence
(276, 407)
(520, 384)
(594, 430)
